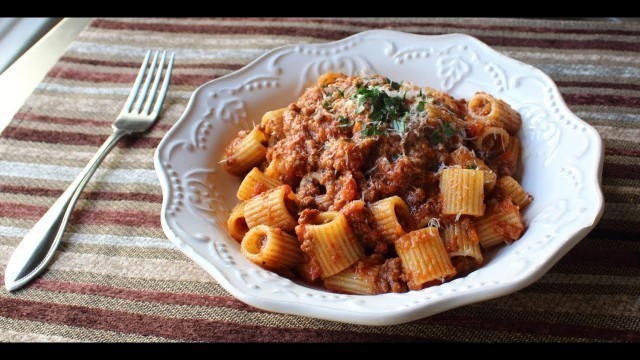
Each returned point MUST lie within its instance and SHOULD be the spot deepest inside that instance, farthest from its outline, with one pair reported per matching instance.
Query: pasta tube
(271, 248)
(354, 281)
(272, 121)
(462, 191)
(424, 258)
(462, 244)
(492, 140)
(255, 183)
(467, 160)
(328, 239)
(508, 187)
(244, 153)
(508, 160)
(494, 112)
(329, 78)
(237, 224)
(391, 215)
(276, 207)
(502, 224)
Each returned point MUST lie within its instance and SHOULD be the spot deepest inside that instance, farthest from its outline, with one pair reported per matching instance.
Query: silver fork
(37, 248)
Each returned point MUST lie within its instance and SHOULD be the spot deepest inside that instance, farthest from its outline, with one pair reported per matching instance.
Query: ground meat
(508, 230)
(312, 269)
(353, 140)
(464, 265)
(506, 164)
(363, 225)
(391, 277)
(309, 189)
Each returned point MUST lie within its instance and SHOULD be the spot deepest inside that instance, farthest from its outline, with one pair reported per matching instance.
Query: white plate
(562, 162)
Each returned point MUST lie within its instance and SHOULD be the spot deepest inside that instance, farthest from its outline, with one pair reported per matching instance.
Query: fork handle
(38, 246)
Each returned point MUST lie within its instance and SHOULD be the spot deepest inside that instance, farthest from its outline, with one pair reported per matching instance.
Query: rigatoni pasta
(492, 140)
(494, 112)
(329, 241)
(508, 160)
(424, 258)
(276, 207)
(508, 187)
(365, 185)
(463, 245)
(462, 191)
(329, 78)
(354, 280)
(272, 121)
(246, 152)
(468, 160)
(391, 216)
(271, 248)
(255, 183)
(502, 224)
(237, 224)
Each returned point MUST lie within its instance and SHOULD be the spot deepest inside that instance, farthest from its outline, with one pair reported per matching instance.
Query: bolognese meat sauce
(353, 140)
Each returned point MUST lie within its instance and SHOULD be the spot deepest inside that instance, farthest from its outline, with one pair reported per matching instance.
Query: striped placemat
(117, 277)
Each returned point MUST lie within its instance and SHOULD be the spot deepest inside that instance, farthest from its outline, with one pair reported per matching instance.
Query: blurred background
(17, 35)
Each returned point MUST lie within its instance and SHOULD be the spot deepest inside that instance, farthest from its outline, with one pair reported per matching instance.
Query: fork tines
(148, 73)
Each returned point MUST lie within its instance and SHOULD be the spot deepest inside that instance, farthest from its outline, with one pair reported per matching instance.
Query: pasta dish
(365, 185)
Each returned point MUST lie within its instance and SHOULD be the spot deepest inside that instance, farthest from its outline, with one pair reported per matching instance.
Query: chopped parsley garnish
(340, 92)
(420, 106)
(472, 167)
(394, 85)
(439, 134)
(385, 110)
(326, 105)
(400, 126)
(447, 129)
(436, 137)
(344, 122)
(372, 128)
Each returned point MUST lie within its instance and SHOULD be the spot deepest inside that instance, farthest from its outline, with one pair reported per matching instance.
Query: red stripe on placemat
(622, 171)
(73, 138)
(172, 328)
(142, 295)
(122, 218)
(598, 84)
(615, 230)
(623, 152)
(93, 217)
(567, 288)
(74, 121)
(591, 99)
(90, 195)
(134, 64)
(585, 254)
(94, 76)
